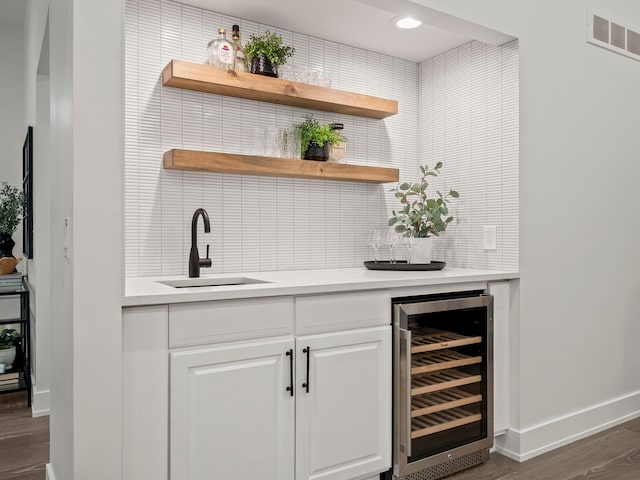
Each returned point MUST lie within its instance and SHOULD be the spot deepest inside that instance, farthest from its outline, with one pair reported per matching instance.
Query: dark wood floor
(610, 455)
(24, 440)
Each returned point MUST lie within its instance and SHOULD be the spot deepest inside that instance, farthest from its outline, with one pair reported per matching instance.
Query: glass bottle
(221, 51)
(239, 57)
(338, 150)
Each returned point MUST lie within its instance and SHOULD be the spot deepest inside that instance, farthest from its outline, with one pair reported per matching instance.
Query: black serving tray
(403, 265)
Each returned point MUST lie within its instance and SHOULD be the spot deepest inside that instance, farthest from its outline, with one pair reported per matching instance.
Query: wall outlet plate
(490, 237)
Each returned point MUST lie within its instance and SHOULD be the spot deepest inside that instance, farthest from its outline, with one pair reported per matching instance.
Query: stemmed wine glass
(375, 242)
(392, 239)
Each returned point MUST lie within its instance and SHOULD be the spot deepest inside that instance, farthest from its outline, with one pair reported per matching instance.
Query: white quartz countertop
(147, 290)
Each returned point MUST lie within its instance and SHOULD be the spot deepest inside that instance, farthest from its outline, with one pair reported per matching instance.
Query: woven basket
(8, 264)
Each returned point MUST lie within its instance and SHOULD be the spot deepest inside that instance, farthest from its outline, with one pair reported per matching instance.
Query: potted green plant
(265, 52)
(421, 217)
(11, 212)
(315, 139)
(9, 338)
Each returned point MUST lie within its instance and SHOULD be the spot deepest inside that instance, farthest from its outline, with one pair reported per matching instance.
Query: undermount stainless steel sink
(211, 282)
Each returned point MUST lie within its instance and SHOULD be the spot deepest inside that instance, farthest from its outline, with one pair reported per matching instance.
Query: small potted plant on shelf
(265, 52)
(315, 139)
(11, 212)
(421, 217)
(9, 338)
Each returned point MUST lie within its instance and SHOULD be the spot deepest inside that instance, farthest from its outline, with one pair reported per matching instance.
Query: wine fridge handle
(290, 387)
(405, 407)
(307, 350)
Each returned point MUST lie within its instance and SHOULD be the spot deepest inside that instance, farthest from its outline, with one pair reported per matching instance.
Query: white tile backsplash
(469, 121)
(460, 107)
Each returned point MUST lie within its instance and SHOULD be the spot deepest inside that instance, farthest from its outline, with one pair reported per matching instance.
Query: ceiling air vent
(604, 31)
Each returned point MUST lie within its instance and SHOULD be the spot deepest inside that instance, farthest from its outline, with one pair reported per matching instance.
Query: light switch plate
(490, 234)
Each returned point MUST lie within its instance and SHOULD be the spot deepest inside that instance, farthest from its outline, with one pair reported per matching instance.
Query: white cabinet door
(343, 423)
(231, 416)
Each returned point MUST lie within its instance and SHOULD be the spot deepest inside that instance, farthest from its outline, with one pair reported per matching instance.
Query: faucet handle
(206, 262)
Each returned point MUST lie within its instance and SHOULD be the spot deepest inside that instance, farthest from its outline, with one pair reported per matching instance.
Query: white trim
(40, 406)
(533, 441)
(50, 474)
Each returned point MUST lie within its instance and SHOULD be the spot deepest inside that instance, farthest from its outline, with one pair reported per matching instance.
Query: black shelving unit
(23, 349)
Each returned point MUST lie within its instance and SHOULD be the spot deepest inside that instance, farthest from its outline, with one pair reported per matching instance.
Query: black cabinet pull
(307, 350)
(290, 387)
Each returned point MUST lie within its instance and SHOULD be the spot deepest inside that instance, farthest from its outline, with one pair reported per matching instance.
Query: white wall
(579, 365)
(260, 223)
(12, 123)
(86, 140)
(40, 275)
(97, 257)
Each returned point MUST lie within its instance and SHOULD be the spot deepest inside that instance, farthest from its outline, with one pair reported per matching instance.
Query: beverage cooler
(443, 387)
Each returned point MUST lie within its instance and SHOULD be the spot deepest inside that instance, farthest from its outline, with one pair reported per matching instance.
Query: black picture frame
(27, 188)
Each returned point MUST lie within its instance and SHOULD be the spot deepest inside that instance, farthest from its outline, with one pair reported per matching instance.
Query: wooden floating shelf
(206, 78)
(275, 167)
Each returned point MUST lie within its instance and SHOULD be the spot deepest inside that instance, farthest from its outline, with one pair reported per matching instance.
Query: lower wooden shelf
(216, 162)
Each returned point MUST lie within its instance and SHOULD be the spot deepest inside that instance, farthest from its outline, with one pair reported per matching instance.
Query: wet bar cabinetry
(290, 385)
(282, 388)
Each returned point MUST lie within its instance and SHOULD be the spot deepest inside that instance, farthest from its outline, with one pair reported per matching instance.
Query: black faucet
(195, 262)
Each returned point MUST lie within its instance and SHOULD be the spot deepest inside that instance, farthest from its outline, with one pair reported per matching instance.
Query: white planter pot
(421, 250)
(7, 356)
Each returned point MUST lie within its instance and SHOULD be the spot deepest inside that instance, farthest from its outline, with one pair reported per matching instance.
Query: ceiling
(12, 12)
(362, 23)
(365, 24)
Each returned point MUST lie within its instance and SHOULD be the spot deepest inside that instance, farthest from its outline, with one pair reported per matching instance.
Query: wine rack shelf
(428, 340)
(205, 78)
(434, 382)
(444, 400)
(442, 360)
(440, 421)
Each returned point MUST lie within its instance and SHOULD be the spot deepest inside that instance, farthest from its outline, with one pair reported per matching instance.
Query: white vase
(421, 250)
(7, 356)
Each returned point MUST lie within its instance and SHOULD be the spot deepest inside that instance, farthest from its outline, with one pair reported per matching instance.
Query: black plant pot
(316, 152)
(263, 66)
(6, 245)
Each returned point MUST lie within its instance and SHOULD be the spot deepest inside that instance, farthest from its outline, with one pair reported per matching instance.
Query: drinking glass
(375, 242)
(301, 73)
(392, 241)
(293, 143)
(409, 242)
(285, 72)
(325, 79)
(271, 142)
(258, 141)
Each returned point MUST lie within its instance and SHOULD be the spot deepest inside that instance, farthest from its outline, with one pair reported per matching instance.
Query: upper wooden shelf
(275, 167)
(205, 78)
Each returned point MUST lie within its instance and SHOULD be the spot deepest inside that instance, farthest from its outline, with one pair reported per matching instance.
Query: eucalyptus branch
(421, 216)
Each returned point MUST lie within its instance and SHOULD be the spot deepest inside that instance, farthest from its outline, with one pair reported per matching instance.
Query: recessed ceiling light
(408, 22)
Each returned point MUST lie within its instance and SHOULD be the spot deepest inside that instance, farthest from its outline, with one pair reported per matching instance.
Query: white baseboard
(50, 474)
(40, 405)
(533, 441)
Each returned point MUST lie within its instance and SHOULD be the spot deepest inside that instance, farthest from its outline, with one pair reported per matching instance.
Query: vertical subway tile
(459, 107)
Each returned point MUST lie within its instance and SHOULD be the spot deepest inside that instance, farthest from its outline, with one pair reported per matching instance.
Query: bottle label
(226, 54)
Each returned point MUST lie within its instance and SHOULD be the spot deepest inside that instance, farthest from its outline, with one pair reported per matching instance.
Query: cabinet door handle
(290, 387)
(307, 350)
